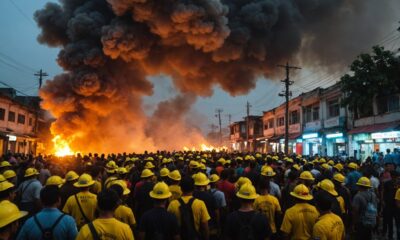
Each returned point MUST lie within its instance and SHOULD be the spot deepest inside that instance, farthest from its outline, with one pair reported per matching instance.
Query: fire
(206, 148)
(61, 147)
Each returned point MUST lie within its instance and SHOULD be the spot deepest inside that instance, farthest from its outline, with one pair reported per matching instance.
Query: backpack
(369, 217)
(18, 197)
(188, 230)
(246, 229)
(47, 233)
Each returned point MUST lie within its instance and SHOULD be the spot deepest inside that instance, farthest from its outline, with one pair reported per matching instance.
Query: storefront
(312, 144)
(335, 144)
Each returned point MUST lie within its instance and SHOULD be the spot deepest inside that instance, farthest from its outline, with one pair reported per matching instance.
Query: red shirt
(227, 188)
(219, 169)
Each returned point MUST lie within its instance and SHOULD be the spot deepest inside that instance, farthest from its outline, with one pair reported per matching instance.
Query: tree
(372, 75)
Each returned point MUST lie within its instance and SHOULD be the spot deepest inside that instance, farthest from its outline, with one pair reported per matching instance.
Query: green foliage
(376, 74)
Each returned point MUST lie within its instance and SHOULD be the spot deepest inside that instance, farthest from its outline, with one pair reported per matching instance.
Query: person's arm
(72, 230)
(205, 231)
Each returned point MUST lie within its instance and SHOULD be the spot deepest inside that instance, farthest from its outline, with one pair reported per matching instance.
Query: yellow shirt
(299, 220)
(341, 204)
(397, 196)
(329, 227)
(176, 192)
(96, 188)
(125, 215)
(269, 206)
(107, 229)
(88, 203)
(199, 209)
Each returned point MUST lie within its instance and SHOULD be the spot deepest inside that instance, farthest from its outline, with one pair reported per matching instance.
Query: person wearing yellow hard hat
(364, 209)
(167, 226)
(9, 216)
(218, 196)
(191, 227)
(326, 187)
(55, 181)
(68, 189)
(141, 193)
(220, 166)
(106, 224)
(268, 205)
(352, 177)
(97, 174)
(164, 174)
(328, 225)
(11, 176)
(246, 220)
(4, 165)
(82, 206)
(174, 179)
(63, 226)
(29, 192)
(123, 213)
(307, 179)
(344, 197)
(7, 191)
(268, 174)
(295, 225)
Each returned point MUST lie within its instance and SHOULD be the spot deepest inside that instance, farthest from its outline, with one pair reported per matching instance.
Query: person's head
(118, 189)
(264, 185)
(107, 201)
(225, 174)
(85, 181)
(7, 191)
(247, 194)
(388, 151)
(50, 196)
(187, 185)
(160, 194)
(9, 216)
(323, 202)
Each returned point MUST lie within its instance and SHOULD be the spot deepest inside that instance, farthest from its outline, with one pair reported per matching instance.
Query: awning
(375, 128)
(275, 138)
(294, 136)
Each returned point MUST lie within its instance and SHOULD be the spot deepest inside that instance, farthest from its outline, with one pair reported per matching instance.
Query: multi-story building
(19, 117)
(239, 134)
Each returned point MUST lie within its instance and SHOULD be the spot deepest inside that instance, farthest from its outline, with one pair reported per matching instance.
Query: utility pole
(287, 93)
(248, 106)
(218, 114)
(229, 118)
(41, 74)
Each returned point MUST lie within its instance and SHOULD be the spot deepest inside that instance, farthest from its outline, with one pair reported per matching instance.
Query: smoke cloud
(110, 47)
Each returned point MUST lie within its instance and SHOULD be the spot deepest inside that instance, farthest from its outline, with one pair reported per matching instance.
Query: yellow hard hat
(71, 176)
(339, 167)
(4, 164)
(149, 165)
(111, 165)
(9, 213)
(202, 166)
(9, 174)
(109, 181)
(160, 191)
(301, 192)
(164, 172)
(247, 158)
(2, 178)
(322, 160)
(258, 155)
(221, 160)
(214, 178)
(200, 179)
(239, 158)
(247, 191)
(150, 159)
(193, 164)
(296, 166)
(306, 175)
(55, 180)
(165, 161)
(5, 186)
(289, 160)
(175, 175)
(241, 181)
(339, 177)
(30, 172)
(364, 181)
(227, 162)
(121, 183)
(146, 173)
(325, 166)
(331, 162)
(328, 186)
(122, 170)
(352, 165)
(203, 161)
(85, 180)
(267, 171)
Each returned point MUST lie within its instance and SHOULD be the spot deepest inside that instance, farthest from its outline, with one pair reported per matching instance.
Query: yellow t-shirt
(299, 220)
(125, 215)
(107, 229)
(88, 203)
(341, 204)
(269, 206)
(329, 227)
(397, 196)
(176, 192)
(199, 209)
(96, 188)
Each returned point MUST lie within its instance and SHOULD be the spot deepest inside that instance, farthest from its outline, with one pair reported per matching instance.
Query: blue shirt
(389, 158)
(352, 179)
(31, 190)
(65, 229)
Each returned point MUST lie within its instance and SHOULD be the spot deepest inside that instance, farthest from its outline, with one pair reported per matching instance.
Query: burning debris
(108, 48)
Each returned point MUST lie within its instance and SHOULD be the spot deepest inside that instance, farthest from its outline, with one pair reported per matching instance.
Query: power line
(5, 56)
(22, 13)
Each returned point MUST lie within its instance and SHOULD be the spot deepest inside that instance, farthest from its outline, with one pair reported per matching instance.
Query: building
(238, 134)
(19, 119)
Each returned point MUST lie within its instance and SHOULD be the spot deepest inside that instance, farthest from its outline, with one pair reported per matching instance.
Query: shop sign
(380, 135)
(369, 141)
(299, 140)
(332, 122)
(313, 126)
(339, 140)
(310, 135)
(334, 135)
(12, 138)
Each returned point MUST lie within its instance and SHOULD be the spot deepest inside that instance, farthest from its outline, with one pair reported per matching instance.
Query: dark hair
(95, 171)
(263, 184)
(187, 184)
(118, 189)
(107, 200)
(224, 174)
(6, 193)
(323, 201)
(50, 195)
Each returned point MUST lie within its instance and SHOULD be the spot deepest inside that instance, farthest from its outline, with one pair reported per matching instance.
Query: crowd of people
(197, 195)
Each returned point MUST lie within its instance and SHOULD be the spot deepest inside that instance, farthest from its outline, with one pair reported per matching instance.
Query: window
(243, 128)
(31, 122)
(271, 123)
(294, 117)
(2, 114)
(21, 118)
(11, 116)
(315, 112)
(307, 114)
(281, 121)
(387, 104)
(333, 108)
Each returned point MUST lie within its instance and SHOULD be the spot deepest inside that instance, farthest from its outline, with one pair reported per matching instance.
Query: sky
(21, 56)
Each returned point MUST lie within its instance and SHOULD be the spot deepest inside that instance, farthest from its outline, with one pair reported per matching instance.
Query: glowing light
(61, 147)
(206, 148)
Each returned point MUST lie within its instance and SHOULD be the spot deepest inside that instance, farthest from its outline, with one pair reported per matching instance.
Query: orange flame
(206, 148)
(61, 147)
